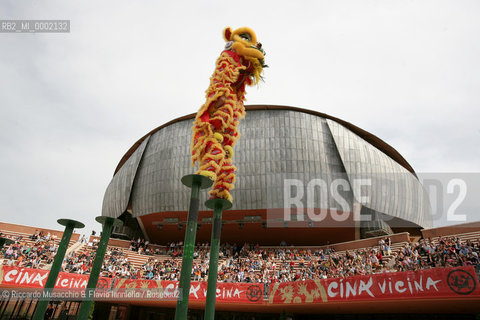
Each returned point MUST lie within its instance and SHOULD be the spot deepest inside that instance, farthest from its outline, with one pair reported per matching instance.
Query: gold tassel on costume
(257, 70)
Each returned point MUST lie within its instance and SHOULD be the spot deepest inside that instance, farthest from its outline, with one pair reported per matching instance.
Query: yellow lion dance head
(244, 42)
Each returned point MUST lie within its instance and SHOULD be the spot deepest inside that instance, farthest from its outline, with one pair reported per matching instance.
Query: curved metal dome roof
(367, 136)
(278, 143)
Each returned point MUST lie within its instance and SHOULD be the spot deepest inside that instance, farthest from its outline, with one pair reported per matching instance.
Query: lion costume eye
(246, 36)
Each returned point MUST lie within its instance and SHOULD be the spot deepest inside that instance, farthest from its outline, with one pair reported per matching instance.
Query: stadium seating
(254, 263)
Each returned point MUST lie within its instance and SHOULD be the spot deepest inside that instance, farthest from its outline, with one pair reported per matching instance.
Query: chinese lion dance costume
(215, 128)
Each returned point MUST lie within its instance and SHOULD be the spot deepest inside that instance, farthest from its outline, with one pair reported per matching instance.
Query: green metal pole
(108, 224)
(218, 205)
(195, 182)
(57, 263)
(5, 241)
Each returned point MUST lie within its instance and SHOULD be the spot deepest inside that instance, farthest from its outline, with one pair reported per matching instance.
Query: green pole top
(103, 219)
(68, 222)
(221, 204)
(190, 179)
(6, 241)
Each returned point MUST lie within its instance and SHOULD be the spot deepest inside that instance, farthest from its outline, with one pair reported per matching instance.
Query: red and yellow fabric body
(215, 130)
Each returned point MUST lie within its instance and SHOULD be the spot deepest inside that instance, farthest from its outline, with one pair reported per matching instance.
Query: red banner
(431, 283)
(226, 292)
(36, 278)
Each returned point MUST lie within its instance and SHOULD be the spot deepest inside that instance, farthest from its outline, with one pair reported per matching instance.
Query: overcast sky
(72, 104)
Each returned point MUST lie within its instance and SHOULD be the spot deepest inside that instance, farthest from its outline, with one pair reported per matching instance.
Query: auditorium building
(303, 178)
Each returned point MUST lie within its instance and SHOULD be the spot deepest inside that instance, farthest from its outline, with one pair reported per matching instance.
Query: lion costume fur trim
(226, 72)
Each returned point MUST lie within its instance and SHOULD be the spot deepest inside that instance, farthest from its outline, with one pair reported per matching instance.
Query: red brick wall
(18, 228)
(451, 230)
(124, 243)
(363, 243)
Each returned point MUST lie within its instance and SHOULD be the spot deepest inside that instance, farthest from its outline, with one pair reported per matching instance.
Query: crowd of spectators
(140, 246)
(78, 262)
(447, 252)
(143, 246)
(252, 263)
(34, 251)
